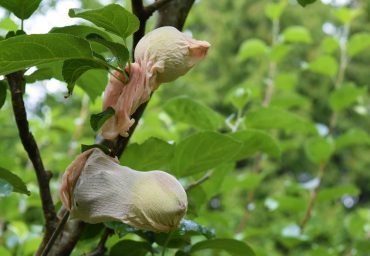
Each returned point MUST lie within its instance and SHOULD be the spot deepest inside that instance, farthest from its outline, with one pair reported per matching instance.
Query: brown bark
(16, 82)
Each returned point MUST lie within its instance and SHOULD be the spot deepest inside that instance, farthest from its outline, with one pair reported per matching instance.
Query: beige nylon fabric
(106, 191)
(161, 56)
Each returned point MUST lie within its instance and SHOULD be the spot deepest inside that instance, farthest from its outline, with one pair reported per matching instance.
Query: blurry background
(316, 59)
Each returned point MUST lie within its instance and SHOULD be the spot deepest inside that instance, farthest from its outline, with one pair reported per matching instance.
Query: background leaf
(158, 154)
(345, 96)
(234, 247)
(319, 150)
(327, 194)
(252, 48)
(358, 43)
(184, 109)
(17, 183)
(354, 136)
(23, 9)
(305, 2)
(130, 248)
(297, 34)
(8, 24)
(254, 141)
(203, 151)
(275, 118)
(324, 65)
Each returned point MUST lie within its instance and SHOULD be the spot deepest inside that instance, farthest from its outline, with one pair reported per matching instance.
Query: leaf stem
(58, 230)
(166, 242)
(313, 197)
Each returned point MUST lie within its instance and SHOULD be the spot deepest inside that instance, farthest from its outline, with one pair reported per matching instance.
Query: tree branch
(175, 16)
(16, 82)
(150, 9)
(312, 200)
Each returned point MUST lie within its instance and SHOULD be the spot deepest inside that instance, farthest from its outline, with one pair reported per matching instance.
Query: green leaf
(17, 183)
(305, 2)
(113, 18)
(319, 150)
(130, 248)
(4, 251)
(275, 118)
(290, 204)
(286, 81)
(93, 82)
(251, 180)
(274, 10)
(25, 51)
(74, 69)
(83, 31)
(357, 43)
(297, 34)
(191, 227)
(234, 247)
(103, 148)
(203, 151)
(180, 237)
(158, 154)
(330, 44)
(328, 194)
(346, 15)
(184, 109)
(324, 65)
(8, 24)
(23, 9)
(46, 72)
(279, 52)
(254, 141)
(118, 50)
(238, 97)
(80, 31)
(252, 48)
(3, 86)
(97, 120)
(352, 137)
(345, 96)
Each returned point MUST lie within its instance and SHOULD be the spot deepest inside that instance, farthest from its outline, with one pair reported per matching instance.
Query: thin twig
(166, 242)
(101, 249)
(313, 197)
(16, 84)
(55, 235)
(199, 182)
